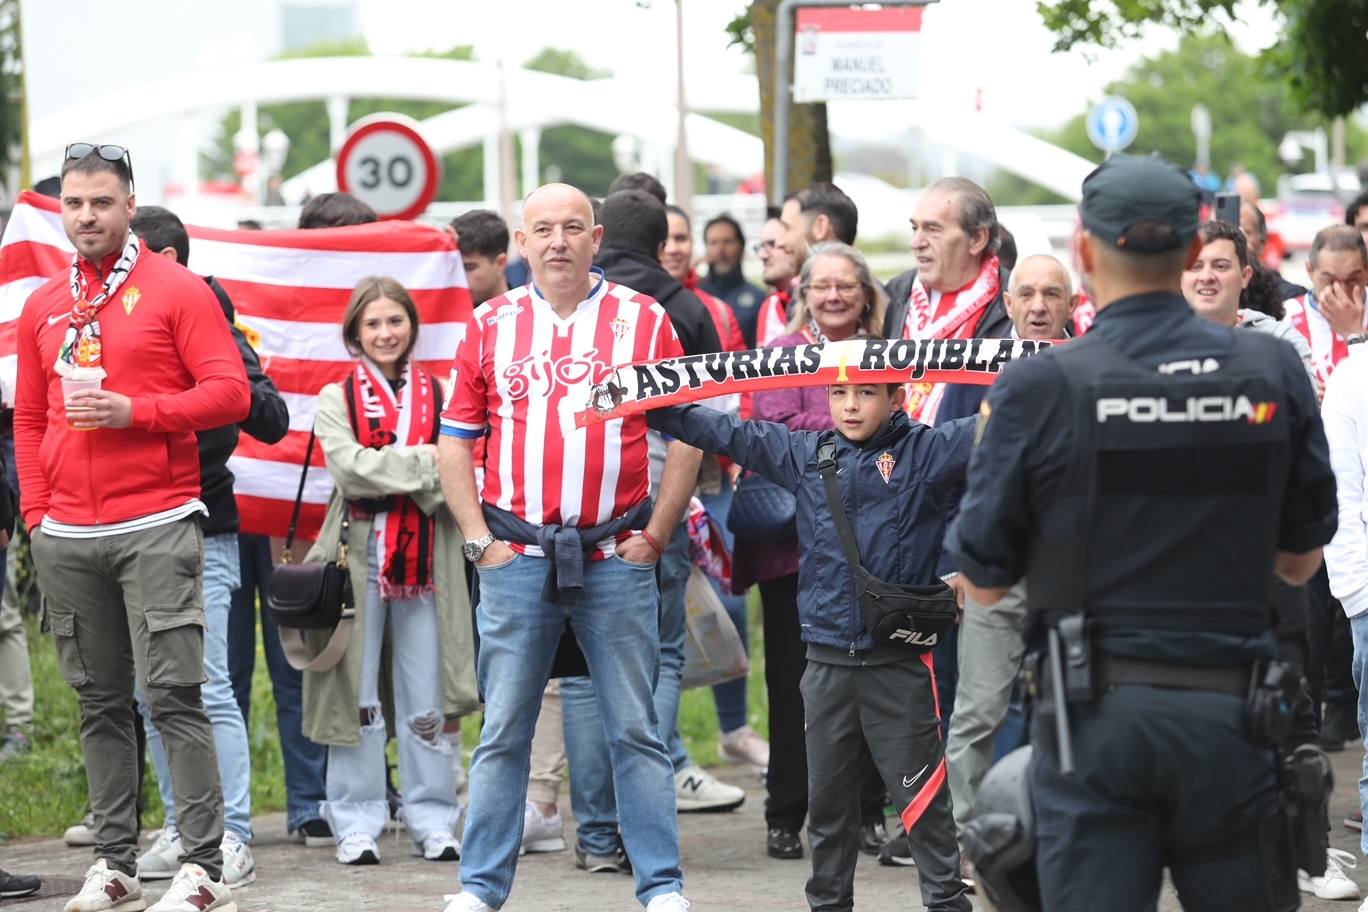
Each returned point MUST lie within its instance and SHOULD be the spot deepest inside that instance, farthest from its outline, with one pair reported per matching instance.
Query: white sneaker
(744, 745)
(107, 890)
(668, 902)
(81, 834)
(358, 849)
(542, 834)
(439, 846)
(465, 902)
(1334, 883)
(696, 789)
(161, 861)
(239, 867)
(193, 891)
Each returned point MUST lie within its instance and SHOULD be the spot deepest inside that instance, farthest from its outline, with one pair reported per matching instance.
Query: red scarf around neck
(384, 417)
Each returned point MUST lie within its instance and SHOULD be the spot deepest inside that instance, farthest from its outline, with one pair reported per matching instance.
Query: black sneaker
(315, 833)
(1354, 820)
(783, 843)
(617, 863)
(872, 837)
(897, 852)
(1339, 724)
(12, 885)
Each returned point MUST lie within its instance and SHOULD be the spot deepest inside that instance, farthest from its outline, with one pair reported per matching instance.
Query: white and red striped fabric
(290, 289)
(1327, 348)
(773, 319)
(523, 373)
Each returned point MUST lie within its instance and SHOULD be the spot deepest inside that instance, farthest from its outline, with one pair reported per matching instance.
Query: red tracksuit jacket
(167, 347)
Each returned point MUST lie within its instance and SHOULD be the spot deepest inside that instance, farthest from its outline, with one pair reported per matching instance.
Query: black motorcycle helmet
(999, 839)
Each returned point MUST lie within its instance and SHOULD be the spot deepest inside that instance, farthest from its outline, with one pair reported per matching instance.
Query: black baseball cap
(1130, 190)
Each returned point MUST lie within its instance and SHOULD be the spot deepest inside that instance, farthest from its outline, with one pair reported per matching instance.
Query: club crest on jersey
(620, 328)
(131, 299)
(885, 463)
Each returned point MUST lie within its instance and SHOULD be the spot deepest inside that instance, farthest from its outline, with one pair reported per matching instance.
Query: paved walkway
(724, 862)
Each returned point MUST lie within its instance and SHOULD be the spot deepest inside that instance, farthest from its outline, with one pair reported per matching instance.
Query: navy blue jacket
(899, 523)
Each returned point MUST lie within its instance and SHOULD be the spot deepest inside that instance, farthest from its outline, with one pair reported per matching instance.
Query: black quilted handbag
(311, 596)
(762, 511)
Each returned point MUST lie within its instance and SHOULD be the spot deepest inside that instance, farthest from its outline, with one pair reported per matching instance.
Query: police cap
(1130, 190)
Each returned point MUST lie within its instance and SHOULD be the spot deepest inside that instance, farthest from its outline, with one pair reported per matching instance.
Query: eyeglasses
(844, 289)
(108, 151)
(760, 247)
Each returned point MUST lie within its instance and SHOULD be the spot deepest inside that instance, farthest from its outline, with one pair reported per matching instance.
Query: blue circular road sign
(1112, 124)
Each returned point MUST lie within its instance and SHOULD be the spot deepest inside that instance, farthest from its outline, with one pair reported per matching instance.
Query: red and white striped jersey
(773, 319)
(1327, 348)
(521, 373)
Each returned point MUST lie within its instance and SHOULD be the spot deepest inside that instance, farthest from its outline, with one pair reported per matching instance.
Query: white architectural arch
(532, 100)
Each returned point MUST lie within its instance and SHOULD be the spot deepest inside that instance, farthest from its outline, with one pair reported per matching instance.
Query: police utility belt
(914, 617)
(1268, 688)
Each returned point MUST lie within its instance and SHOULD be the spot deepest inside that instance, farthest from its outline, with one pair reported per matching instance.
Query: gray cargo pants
(990, 650)
(126, 604)
(892, 709)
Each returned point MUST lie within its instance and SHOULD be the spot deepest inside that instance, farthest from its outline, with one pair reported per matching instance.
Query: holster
(1307, 781)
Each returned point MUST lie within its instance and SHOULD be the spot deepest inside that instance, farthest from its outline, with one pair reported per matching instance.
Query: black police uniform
(1161, 516)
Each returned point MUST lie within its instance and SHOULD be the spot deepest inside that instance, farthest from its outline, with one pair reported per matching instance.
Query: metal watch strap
(481, 543)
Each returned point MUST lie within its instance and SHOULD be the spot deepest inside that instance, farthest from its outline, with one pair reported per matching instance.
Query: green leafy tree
(576, 155)
(306, 123)
(1319, 53)
(579, 155)
(1249, 112)
(11, 85)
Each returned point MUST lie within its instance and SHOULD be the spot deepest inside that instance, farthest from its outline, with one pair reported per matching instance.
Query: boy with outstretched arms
(900, 482)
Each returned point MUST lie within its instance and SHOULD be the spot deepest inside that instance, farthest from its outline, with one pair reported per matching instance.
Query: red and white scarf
(382, 419)
(1327, 348)
(946, 315)
(80, 355)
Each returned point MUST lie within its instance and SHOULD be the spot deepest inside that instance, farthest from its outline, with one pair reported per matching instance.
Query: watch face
(472, 550)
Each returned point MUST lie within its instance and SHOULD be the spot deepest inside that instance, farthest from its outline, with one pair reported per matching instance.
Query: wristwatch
(1355, 338)
(473, 550)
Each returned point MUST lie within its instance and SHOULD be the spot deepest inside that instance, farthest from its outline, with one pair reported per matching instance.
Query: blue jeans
(221, 578)
(615, 621)
(1358, 625)
(305, 761)
(586, 747)
(729, 696)
(356, 775)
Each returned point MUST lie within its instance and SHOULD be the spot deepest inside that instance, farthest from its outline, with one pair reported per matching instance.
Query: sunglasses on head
(108, 151)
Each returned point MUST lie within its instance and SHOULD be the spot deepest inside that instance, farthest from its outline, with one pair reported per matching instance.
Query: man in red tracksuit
(110, 487)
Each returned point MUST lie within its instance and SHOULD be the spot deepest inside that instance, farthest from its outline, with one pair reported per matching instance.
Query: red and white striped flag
(290, 289)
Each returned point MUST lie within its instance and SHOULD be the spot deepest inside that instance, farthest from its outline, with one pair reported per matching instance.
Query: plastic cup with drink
(77, 414)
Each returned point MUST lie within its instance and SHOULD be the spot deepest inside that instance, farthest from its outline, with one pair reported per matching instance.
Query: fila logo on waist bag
(913, 637)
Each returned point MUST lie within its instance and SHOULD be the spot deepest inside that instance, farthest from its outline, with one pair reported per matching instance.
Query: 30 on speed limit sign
(387, 164)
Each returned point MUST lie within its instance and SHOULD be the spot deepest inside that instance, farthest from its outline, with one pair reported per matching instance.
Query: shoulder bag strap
(288, 557)
(297, 651)
(826, 465)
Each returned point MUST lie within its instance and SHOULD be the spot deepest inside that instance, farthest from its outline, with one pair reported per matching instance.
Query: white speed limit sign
(386, 164)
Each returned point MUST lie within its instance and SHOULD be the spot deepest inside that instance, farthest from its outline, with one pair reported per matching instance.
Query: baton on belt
(1061, 706)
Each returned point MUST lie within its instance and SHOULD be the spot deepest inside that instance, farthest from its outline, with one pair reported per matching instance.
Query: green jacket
(330, 697)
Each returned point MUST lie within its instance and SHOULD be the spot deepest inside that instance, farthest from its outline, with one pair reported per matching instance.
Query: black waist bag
(915, 617)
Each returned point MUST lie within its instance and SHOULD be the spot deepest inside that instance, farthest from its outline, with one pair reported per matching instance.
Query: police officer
(1149, 480)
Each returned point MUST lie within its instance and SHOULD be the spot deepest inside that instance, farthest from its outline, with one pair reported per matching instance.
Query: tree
(809, 151)
(1319, 53)
(580, 155)
(306, 123)
(11, 85)
(1250, 114)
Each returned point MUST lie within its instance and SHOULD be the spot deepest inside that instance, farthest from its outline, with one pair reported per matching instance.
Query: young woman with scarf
(377, 429)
